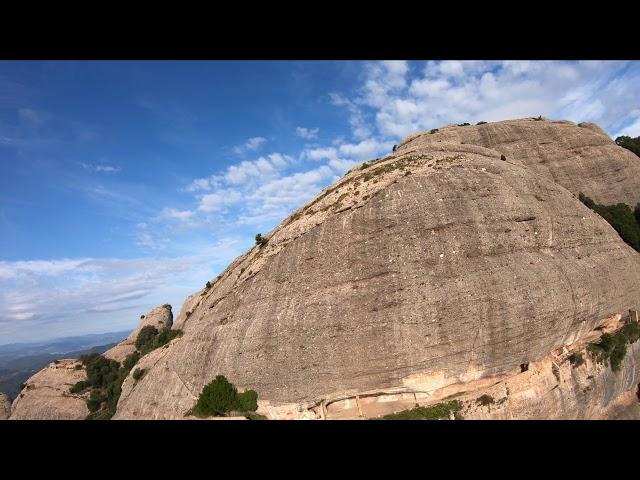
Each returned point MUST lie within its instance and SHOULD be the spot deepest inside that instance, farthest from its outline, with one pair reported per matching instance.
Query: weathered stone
(46, 395)
(5, 406)
(581, 158)
(160, 318)
(438, 265)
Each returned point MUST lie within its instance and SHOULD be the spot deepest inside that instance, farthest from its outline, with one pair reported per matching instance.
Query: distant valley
(19, 361)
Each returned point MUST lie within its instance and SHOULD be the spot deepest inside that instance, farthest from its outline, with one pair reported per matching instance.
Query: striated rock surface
(580, 157)
(46, 395)
(5, 406)
(438, 265)
(160, 317)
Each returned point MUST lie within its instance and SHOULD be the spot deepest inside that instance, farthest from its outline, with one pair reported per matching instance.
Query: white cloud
(365, 149)
(446, 92)
(631, 130)
(146, 239)
(307, 133)
(199, 184)
(260, 168)
(215, 202)
(252, 144)
(175, 214)
(99, 168)
(319, 153)
(107, 169)
(53, 298)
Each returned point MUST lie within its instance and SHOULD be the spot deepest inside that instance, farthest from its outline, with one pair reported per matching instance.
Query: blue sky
(125, 185)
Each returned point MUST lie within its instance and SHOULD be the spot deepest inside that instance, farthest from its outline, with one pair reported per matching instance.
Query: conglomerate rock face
(160, 318)
(438, 265)
(5, 406)
(46, 395)
(581, 158)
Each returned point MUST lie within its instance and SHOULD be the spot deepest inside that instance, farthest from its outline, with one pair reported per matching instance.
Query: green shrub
(620, 217)
(463, 124)
(576, 359)
(481, 123)
(146, 336)
(632, 144)
(93, 405)
(538, 118)
(138, 373)
(131, 360)
(260, 240)
(78, 367)
(434, 130)
(247, 401)
(79, 386)
(503, 158)
(216, 398)
(636, 213)
(208, 285)
(485, 400)
(433, 412)
(612, 348)
(221, 396)
(631, 331)
(150, 338)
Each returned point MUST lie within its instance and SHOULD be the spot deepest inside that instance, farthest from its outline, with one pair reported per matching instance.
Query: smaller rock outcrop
(160, 317)
(5, 406)
(46, 395)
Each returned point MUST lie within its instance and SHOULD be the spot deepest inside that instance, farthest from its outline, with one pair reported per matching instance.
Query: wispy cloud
(100, 168)
(307, 133)
(49, 298)
(251, 145)
(399, 101)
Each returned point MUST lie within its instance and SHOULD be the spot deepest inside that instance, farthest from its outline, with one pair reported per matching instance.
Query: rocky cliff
(5, 406)
(438, 265)
(160, 317)
(443, 269)
(46, 395)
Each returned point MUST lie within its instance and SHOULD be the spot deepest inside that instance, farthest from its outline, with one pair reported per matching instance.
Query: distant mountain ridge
(59, 345)
(19, 361)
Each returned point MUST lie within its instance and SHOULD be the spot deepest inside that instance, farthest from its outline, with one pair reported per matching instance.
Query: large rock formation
(160, 317)
(438, 266)
(5, 406)
(46, 395)
(581, 158)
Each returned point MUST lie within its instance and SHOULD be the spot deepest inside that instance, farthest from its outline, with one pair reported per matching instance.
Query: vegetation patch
(485, 400)
(632, 144)
(138, 373)
(260, 240)
(464, 124)
(150, 338)
(503, 158)
(481, 123)
(105, 376)
(612, 347)
(433, 412)
(620, 216)
(220, 397)
(576, 359)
